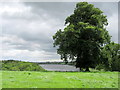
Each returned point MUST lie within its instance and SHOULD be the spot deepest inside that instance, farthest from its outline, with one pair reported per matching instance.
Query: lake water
(58, 67)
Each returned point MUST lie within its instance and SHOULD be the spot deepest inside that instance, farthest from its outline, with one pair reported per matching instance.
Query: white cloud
(27, 55)
(13, 8)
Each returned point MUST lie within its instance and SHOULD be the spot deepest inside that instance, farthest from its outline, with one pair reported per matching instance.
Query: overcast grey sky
(27, 28)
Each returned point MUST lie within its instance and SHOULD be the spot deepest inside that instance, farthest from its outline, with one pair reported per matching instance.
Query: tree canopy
(83, 36)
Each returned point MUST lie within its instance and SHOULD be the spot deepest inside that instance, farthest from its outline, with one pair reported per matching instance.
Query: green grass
(0, 80)
(31, 79)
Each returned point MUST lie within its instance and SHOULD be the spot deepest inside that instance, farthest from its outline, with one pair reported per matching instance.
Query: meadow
(37, 79)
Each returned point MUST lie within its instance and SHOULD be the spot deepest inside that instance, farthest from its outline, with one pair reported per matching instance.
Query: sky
(27, 27)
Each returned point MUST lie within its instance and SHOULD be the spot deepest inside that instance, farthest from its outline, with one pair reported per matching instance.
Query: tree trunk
(66, 62)
(80, 70)
(87, 70)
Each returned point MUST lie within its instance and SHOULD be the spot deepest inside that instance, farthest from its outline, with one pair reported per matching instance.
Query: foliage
(111, 56)
(12, 65)
(27, 79)
(83, 36)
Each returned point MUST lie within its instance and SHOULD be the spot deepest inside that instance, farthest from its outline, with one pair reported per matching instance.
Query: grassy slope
(23, 79)
(12, 65)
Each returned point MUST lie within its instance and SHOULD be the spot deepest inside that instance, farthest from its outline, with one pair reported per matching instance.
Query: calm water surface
(57, 67)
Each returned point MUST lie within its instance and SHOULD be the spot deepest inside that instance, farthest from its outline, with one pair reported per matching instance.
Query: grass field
(0, 80)
(31, 79)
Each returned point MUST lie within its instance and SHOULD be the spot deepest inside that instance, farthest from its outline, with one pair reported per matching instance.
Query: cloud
(113, 27)
(26, 34)
(28, 27)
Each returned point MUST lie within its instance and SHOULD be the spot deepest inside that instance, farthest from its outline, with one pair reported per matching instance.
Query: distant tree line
(50, 62)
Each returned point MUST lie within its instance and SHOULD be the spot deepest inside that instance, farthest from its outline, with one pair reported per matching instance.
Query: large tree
(83, 36)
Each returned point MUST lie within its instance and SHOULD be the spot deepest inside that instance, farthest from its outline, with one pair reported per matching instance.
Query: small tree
(111, 56)
(83, 36)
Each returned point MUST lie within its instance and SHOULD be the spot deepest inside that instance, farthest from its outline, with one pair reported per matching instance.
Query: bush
(13, 65)
(100, 66)
(110, 57)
